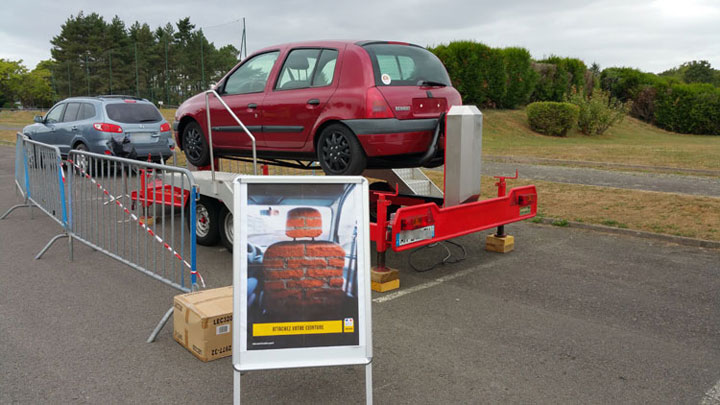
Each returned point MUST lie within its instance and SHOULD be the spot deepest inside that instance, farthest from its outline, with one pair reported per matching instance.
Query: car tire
(207, 228)
(195, 145)
(339, 152)
(226, 228)
(81, 160)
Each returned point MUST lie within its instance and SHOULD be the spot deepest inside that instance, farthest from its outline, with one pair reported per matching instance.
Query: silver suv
(123, 126)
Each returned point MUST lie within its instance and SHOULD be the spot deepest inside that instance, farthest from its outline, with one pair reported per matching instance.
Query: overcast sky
(653, 35)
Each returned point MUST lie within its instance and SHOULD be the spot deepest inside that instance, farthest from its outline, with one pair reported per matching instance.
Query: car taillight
(376, 106)
(417, 221)
(105, 127)
(129, 101)
(165, 127)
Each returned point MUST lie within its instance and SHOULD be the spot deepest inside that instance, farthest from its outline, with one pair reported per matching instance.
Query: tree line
(91, 56)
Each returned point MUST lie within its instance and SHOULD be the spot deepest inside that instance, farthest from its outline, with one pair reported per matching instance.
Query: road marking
(433, 283)
(712, 397)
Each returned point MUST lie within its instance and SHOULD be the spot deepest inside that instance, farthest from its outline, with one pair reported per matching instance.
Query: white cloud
(653, 35)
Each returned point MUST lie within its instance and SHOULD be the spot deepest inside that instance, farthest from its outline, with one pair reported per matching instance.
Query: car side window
(298, 69)
(71, 112)
(87, 111)
(252, 76)
(325, 69)
(55, 115)
(397, 66)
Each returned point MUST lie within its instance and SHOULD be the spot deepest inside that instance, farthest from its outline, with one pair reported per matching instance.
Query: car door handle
(252, 105)
(314, 101)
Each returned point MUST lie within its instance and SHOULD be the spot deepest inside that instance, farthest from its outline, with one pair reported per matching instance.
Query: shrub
(597, 112)
(521, 77)
(643, 106)
(476, 70)
(552, 118)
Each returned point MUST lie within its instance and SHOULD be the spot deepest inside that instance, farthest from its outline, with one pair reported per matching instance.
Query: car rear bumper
(390, 136)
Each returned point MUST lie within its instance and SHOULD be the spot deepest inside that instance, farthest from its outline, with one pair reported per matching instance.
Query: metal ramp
(410, 181)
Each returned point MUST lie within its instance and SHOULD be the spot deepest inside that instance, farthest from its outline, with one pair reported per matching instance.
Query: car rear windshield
(406, 65)
(133, 113)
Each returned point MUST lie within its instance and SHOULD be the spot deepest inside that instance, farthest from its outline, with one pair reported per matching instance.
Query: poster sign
(301, 272)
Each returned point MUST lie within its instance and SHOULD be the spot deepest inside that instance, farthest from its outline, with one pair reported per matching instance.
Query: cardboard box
(202, 322)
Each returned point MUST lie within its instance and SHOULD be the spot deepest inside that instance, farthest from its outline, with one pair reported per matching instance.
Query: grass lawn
(506, 133)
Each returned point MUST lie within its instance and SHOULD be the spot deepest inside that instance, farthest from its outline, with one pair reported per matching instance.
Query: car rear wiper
(149, 120)
(430, 83)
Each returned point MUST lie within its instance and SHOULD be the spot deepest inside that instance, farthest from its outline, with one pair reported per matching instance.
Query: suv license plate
(415, 235)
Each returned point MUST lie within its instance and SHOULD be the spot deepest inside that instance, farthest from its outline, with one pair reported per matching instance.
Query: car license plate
(415, 235)
(142, 137)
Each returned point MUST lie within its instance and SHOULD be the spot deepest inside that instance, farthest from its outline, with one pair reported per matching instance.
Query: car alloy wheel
(339, 152)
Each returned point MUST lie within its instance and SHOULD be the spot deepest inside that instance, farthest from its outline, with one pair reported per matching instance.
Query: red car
(349, 105)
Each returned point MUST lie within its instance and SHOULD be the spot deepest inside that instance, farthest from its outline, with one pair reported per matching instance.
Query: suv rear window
(405, 65)
(133, 113)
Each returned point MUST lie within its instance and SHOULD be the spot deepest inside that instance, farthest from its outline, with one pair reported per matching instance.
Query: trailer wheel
(226, 228)
(207, 225)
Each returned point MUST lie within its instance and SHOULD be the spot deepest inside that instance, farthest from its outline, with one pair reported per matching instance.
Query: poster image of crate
(306, 248)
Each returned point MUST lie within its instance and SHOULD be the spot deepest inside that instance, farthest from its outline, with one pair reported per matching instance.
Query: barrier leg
(45, 249)
(70, 246)
(160, 325)
(13, 208)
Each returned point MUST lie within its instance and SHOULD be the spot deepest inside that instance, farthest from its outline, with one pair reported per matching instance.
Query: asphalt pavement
(668, 183)
(571, 316)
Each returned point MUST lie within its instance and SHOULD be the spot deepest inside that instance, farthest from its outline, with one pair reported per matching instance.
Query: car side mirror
(39, 119)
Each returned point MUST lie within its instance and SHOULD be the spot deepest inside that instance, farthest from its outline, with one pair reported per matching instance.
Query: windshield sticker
(386, 79)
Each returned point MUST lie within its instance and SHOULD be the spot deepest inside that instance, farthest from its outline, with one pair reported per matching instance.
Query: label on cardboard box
(202, 322)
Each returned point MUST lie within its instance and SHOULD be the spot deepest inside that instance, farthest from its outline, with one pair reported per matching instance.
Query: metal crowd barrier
(40, 178)
(139, 213)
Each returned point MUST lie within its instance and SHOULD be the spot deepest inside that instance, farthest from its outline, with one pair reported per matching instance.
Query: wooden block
(387, 286)
(497, 244)
(383, 276)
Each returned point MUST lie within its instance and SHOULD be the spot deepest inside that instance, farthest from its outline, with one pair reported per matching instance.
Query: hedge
(476, 71)
(552, 118)
(521, 78)
(489, 77)
(688, 108)
(557, 77)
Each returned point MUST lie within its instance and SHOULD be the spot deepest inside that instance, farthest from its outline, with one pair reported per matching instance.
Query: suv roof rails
(120, 96)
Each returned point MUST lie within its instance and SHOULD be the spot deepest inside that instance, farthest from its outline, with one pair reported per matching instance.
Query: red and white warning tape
(137, 219)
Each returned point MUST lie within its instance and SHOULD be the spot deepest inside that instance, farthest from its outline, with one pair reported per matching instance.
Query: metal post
(236, 387)
(202, 61)
(167, 92)
(368, 384)
(137, 86)
(69, 86)
(87, 74)
(110, 55)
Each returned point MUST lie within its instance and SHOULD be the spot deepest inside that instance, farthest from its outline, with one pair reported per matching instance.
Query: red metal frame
(450, 222)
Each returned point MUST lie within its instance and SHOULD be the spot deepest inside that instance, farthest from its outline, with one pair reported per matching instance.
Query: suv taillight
(105, 127)
(165, 127)
(376, 106)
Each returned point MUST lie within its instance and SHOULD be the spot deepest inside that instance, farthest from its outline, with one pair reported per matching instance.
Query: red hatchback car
(349, 105)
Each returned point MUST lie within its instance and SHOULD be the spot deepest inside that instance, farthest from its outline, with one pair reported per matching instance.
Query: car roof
(106, 98)
(336, 43)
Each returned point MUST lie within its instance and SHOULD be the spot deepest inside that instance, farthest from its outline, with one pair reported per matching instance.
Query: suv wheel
(339, 152)
(195, 145)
